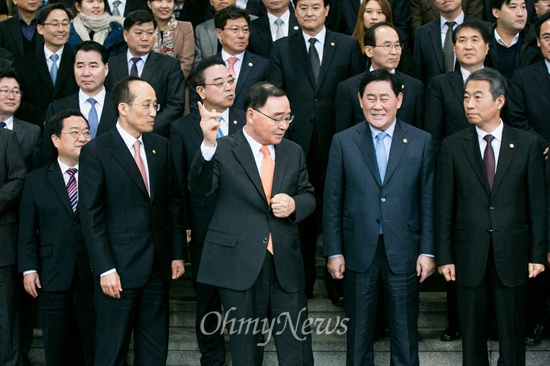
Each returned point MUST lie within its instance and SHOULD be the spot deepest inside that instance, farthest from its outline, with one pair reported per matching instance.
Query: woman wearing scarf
(92, 23)
(173, 37)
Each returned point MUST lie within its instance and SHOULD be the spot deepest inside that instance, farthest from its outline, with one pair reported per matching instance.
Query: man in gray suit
(374, 229)
(28, 134)
(12, 177)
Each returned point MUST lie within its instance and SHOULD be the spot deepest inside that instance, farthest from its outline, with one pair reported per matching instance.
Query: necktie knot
(381, 136)
(279, 22)
(54, 57)
(312, 41)
(135, 59)
(134, 69)
(115, 10)
(231, 60)
(489, 138)
(92, 101)
(137, 145)
(264, 150)
(450, 24)
(3, 125)
(71, 171)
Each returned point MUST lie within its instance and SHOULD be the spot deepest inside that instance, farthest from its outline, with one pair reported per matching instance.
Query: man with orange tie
(252, 242)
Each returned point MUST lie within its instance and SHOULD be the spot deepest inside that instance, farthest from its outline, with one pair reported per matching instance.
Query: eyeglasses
(16, 93)
(76, 134)
(388, 47)
(235, 30)
(148, 106)
(287, 119)
(64, 24)
(222, 84)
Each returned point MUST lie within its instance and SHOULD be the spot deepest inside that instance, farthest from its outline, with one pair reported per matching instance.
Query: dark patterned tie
(489, 160)
(134, 69)
(72, 188)
(3, 125)
(448, 51)
(314, 59)
(116, 12)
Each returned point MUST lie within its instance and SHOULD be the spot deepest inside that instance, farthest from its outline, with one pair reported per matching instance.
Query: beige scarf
(83, 24)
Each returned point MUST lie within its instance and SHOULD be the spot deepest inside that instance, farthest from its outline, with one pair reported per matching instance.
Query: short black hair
(540, 22)
(197, 72)
(497, 4)
(381, 75)
(92, 46)
(56, 122)
(139, 17)
(485, 34)
(370, 34)
(44, 11)
(230, 12)
(259, 93)
(121, 92)
(9, 74)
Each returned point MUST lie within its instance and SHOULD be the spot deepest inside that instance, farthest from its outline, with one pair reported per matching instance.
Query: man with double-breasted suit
(162, 72)
(132, 221)
(216, 88)
(252, 250)
(12, 178)
(491, 220)
(311, 89)
(52, 254)
(375, 231)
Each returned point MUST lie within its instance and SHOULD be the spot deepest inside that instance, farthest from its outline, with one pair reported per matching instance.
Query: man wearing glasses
(54, 262)
(252, 248)
(216, 88)
(132, 221)
(46, 74)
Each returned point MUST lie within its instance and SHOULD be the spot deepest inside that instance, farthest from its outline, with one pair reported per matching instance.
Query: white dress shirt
(319, 44)
(86, 107)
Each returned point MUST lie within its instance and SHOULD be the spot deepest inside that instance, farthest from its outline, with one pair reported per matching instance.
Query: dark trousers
(509, 308)
(402, 307)
(143, 311)
(68, 325)
(211, 342)
(537, 301)
(27, 307)
(262, 305)
(9, 317)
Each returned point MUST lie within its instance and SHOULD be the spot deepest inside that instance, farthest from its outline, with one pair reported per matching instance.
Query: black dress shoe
(337, 300)
(450, 334)
(534, 337)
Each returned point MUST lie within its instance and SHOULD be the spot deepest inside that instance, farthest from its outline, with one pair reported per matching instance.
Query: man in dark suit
(311, 89)
(383, 47)
(162, 72)
(28, 135)
(123, 8)
(18, 34)
(12, 178)
(254, 225)
(46, 74)
(52, 255)
(216, 88)
(390, 241)
(90, 70)
(529, 96)
(133, 226)
(491, 220)
(433, 46)
(277, 23)
(445, 94)
(233, 29)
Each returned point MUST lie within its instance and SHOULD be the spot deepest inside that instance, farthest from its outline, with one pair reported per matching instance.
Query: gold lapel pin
(405, 141)
(154, 152)
(332, 44)
(512, 146)
(250, 64)
(235, 122)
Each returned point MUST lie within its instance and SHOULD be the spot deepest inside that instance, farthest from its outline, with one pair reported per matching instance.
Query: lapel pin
(250, 64)
(235, 122)
(296, 27)
(402, 86)
(332, 44)
(512, 146)
(405, 141)
(154, 152)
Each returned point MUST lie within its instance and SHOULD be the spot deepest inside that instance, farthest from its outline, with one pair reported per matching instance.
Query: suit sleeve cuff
(29, 272)
(108, 272)
(208, 152)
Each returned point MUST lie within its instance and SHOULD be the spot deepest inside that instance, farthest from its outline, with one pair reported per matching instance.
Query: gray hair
(498, 84)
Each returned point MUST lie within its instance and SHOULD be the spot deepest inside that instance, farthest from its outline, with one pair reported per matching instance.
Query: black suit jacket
(123, 226)
(528, 101)
(106, 123)
(131, 5)
(36, 83)
(30, 139)
(350, 112)
(242, 221)
(50, 235)
(313, 103)
(428, 50)
(185, 140)
(260, 40)
(12, 178)
(11, 37)
(469, 216)
(164, 74)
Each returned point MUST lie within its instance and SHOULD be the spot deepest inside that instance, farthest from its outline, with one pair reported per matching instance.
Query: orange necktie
(267, 171)
(139, 163)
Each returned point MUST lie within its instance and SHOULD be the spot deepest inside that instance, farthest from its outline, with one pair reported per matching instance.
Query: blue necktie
(93, 121)
(220, 132)
(54, 69)
(3, 125)
(381, 158)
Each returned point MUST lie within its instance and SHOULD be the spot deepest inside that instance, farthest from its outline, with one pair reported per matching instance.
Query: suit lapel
(150, 66)
(236, 121)
(264, 32)
(281, 161)
(108, 116)
(293, 26)
(213, 38)
(244, 155)
(457, 85)
(151, 156)
(122, 155)
(542, 77)
(435, 34)
(473, 154)
(505, 155)
(246, 68)
(42, 68)
(399, 145)
(298, 49)
(19, 130)
(65, 68)
(15, 30)
(365, 144)
(329, 49)
(55, 177)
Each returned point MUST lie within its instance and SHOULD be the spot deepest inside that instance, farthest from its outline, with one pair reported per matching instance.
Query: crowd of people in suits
(125, 136)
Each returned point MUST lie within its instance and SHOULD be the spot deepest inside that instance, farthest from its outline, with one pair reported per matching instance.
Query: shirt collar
(500, 41)
(129, 140)
(459, 20)
(285, 17)
(256, 146)
(319, 36)
(226, 55)
(9, 123)
(99, 97)
(497, 132)
(392, 71)
(465, 73)
(225, 114)
(48, 53)
(65, 167)
(389, 130)
(129, 56)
